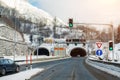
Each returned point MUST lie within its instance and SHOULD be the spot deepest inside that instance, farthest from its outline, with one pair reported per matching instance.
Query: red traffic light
(70, 20)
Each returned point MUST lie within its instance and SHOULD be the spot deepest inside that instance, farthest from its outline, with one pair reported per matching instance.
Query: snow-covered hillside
(26, 17)
(29, 12)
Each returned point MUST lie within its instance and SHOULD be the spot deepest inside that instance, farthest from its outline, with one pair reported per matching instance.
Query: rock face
(11, 42)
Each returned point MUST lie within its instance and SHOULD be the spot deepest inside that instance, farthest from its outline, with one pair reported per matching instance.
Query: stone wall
(11, 42)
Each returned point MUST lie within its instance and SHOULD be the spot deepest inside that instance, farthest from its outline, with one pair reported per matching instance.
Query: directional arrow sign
(99, 52)
(99, 44)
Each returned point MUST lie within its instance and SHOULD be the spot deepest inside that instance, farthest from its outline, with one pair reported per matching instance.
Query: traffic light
(111, 46)
(70, 22)
(75, 44)
(67, 44)
(68, 41)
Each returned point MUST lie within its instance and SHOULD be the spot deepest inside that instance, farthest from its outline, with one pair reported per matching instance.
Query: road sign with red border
(99, 44)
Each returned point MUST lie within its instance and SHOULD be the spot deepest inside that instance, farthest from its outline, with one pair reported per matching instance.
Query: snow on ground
(110, 69)
(93, 57)
(24, 75)
(27, 38)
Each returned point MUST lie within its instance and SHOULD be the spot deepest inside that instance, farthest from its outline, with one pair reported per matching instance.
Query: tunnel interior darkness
(78, 52)
(42, 51)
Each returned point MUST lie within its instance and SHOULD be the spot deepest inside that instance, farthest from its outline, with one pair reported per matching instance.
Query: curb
(40, 60)
(103, 69)
(107, 62)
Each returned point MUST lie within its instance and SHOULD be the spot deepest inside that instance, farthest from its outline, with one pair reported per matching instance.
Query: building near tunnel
(61, 50)
(51, 50)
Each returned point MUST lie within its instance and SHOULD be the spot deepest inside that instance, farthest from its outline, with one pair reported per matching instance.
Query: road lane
(71, 70)
(44, 65)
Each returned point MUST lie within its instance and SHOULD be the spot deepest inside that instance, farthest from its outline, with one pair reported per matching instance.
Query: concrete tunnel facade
(74, 52)
(42, 51)
(78, 51)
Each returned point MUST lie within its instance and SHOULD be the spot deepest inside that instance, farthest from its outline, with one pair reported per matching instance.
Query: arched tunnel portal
(42, 51)
(75, 52)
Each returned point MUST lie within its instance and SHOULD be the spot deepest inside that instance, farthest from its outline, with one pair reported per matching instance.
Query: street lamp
(113, 39)
(15, 36)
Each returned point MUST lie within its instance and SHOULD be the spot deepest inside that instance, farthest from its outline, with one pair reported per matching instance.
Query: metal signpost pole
(113, 42)
(15, 31)
(37, 37)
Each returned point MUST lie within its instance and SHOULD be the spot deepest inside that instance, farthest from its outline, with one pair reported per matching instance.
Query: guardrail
(42, 59)
(107, 62)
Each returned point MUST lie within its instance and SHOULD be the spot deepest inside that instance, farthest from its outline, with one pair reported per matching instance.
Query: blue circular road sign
(99, 52)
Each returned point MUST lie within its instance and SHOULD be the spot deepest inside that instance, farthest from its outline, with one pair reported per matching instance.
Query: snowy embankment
(110, 69)
(24, 75)
(22, 59)
(18, 58)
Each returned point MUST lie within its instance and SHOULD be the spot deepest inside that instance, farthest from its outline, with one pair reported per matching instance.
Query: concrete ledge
(107, 62)
(109, 71)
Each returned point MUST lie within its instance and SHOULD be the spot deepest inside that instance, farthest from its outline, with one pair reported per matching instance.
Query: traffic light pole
(113, 41)
(112, 33)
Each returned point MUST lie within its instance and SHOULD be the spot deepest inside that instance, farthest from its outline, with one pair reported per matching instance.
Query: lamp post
(15, 36)
(113, 39)
(37, 46)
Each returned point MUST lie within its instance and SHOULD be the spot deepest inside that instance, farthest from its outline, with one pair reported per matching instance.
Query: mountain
(23, 13)
(26, 10)
(18, 21)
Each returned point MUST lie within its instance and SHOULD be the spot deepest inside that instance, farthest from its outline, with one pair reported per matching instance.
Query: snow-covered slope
(28, 11)
(24, 11)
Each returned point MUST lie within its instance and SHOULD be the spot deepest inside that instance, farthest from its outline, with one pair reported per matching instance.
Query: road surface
(74, 69)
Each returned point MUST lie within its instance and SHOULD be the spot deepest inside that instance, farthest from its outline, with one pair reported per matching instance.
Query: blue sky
(97, 11)
(35, 3)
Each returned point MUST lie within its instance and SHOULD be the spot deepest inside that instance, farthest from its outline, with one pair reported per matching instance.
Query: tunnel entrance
(76, 52)
(42, 51)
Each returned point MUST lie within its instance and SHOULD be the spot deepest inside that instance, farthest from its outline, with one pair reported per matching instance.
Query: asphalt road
(43, 64)
(73, 69)
(68, 69)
